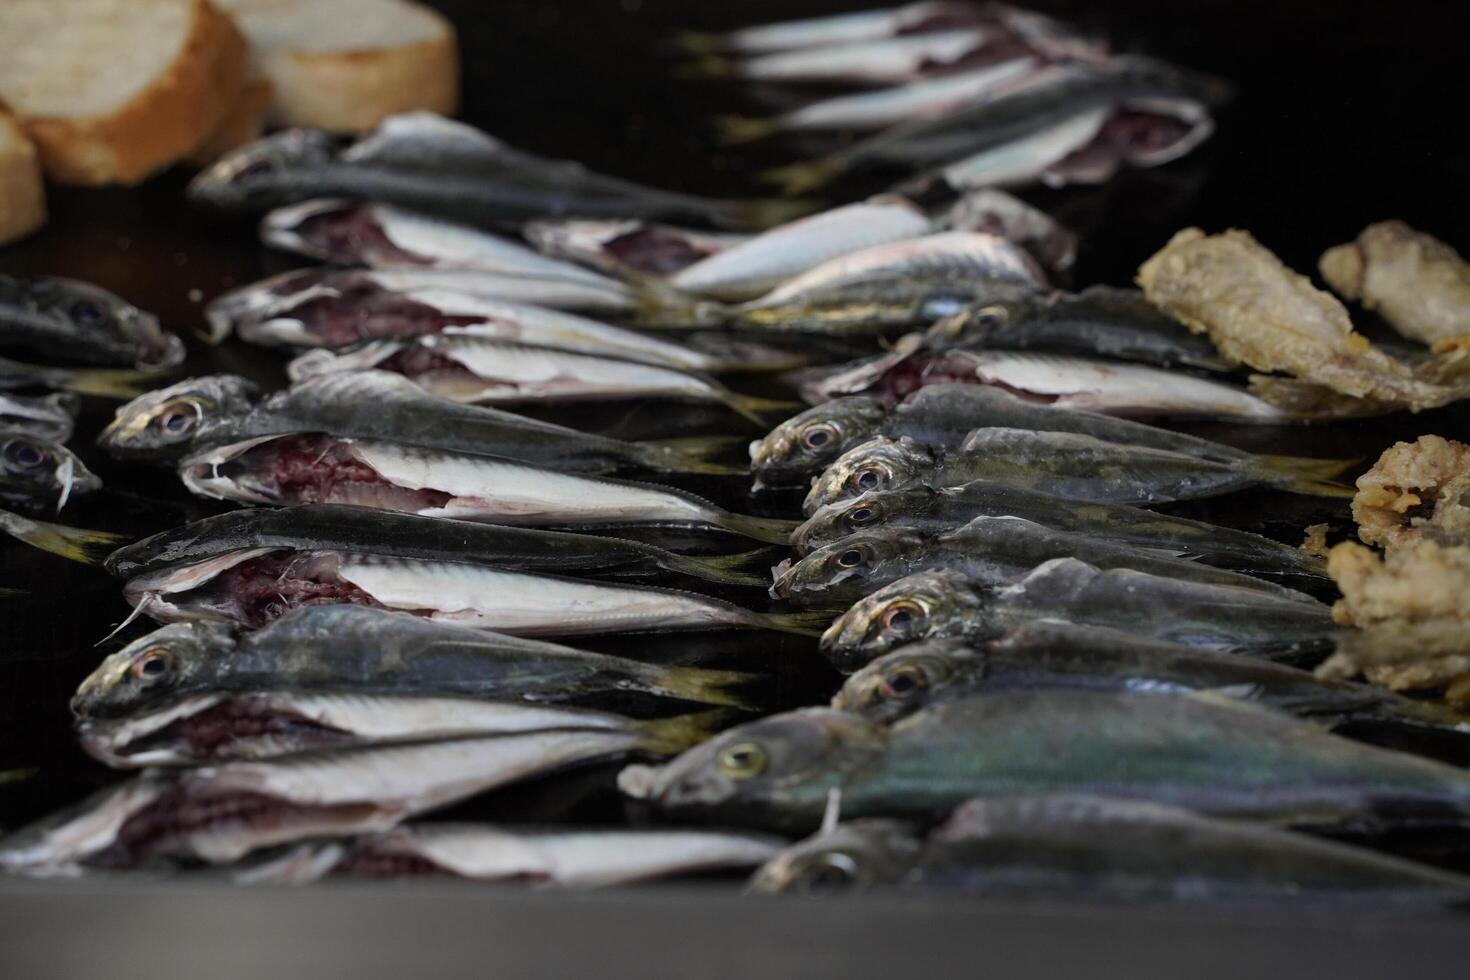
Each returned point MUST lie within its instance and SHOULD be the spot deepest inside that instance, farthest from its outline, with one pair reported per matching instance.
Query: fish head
(848, 568)
(899, 683)
(836, 520)
(975, 324)
(878, 464)
(932, 603)
(252, 177)
(155, 670)
(101, 321)
(804, 444)
(776, 771)
(163, 425)
(317, 228)
(852, 856)
(41, 474)
(280, 310)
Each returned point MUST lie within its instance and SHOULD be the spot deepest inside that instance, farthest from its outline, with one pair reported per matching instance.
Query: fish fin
(87, 547)
(768, 529)
(801, 624)
(696, 43)
(754, 408)
(669, 736)
(760, 213)
(9, 776)
(1308, 476)
(691, 454)
(734, 130)
(726, 569)
(798, 178)
(108, 382)
(706, 66)
(701, 684)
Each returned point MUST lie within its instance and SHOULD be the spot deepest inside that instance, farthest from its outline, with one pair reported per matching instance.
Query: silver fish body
(646, 248)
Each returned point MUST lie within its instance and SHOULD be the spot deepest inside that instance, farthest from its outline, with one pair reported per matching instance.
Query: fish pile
(438, 562)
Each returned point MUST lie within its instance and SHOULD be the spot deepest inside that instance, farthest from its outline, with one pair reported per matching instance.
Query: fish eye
(180, 417)
(851, 558)
(153, 664)
(831, 873)
(87, 313)
(862, 516)
(904, 682)
(743, 761)
(819, 435)
(903, 618)
(990, 316)
(25, 455)
(869, 478)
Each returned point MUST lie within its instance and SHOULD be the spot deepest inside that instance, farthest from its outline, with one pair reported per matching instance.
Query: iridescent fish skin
(947, 604)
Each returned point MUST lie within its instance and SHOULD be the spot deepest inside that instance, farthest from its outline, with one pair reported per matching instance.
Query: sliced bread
(113, 90)
(22, 198)
(346, 65)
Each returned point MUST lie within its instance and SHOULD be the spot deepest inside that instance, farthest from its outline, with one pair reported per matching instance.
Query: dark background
(1347, 113)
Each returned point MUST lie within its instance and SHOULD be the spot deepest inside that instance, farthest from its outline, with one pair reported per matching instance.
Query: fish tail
(734, 356)
(695, 43)
(669, 736)
(87, 547)
(108, 382)
(1309, 476)
(768, 529)
(692, 454)
(727, 569)
(8, 776)
(659, 305)
(798, 178)
(734, 130)
(801, 624)
(760, 213)
(755, 408)
(700, 684)
(706, 66)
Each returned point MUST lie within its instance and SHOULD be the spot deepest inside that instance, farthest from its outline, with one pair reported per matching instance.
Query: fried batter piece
(1412, 486)
(1403, 656)
(1260, 313)
(1422, 579)
(1315, 542)
(1417, 283)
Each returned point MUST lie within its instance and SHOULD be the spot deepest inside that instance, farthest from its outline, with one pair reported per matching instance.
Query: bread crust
(244, 124)
(173, 115)
(22, 195)
(353, 91)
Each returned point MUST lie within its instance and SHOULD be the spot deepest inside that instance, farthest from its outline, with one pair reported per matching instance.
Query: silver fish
(218, 814)
(883, 107)
(386, 237)
(549, 858)
(844, 28)
(40, 474)
(72, 322)
(887, 61)
(1109, 387)
(437, 483)
(760, 264)
(997, 213)
(337, 308)
(475, 370)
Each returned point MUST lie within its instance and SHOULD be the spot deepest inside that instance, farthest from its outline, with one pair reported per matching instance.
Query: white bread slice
(346, 65)
(22, 197)
(113, 90)
(244, 124)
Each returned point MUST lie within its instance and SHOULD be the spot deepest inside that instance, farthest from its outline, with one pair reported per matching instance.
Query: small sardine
(987, 550)
(946, 604)
(888, 61)
(765, 261)
(40, 475)
(1108, 849)
(385, 237)
(845, 28)
(360, 650)
(299, 469)
(73, 322)
(432, 165)
(645, 248)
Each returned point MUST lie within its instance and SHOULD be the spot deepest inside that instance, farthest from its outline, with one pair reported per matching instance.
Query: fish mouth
(782, 579)
(162, 351)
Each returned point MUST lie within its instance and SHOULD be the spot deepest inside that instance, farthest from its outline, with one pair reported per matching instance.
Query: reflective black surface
(1347, 113)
